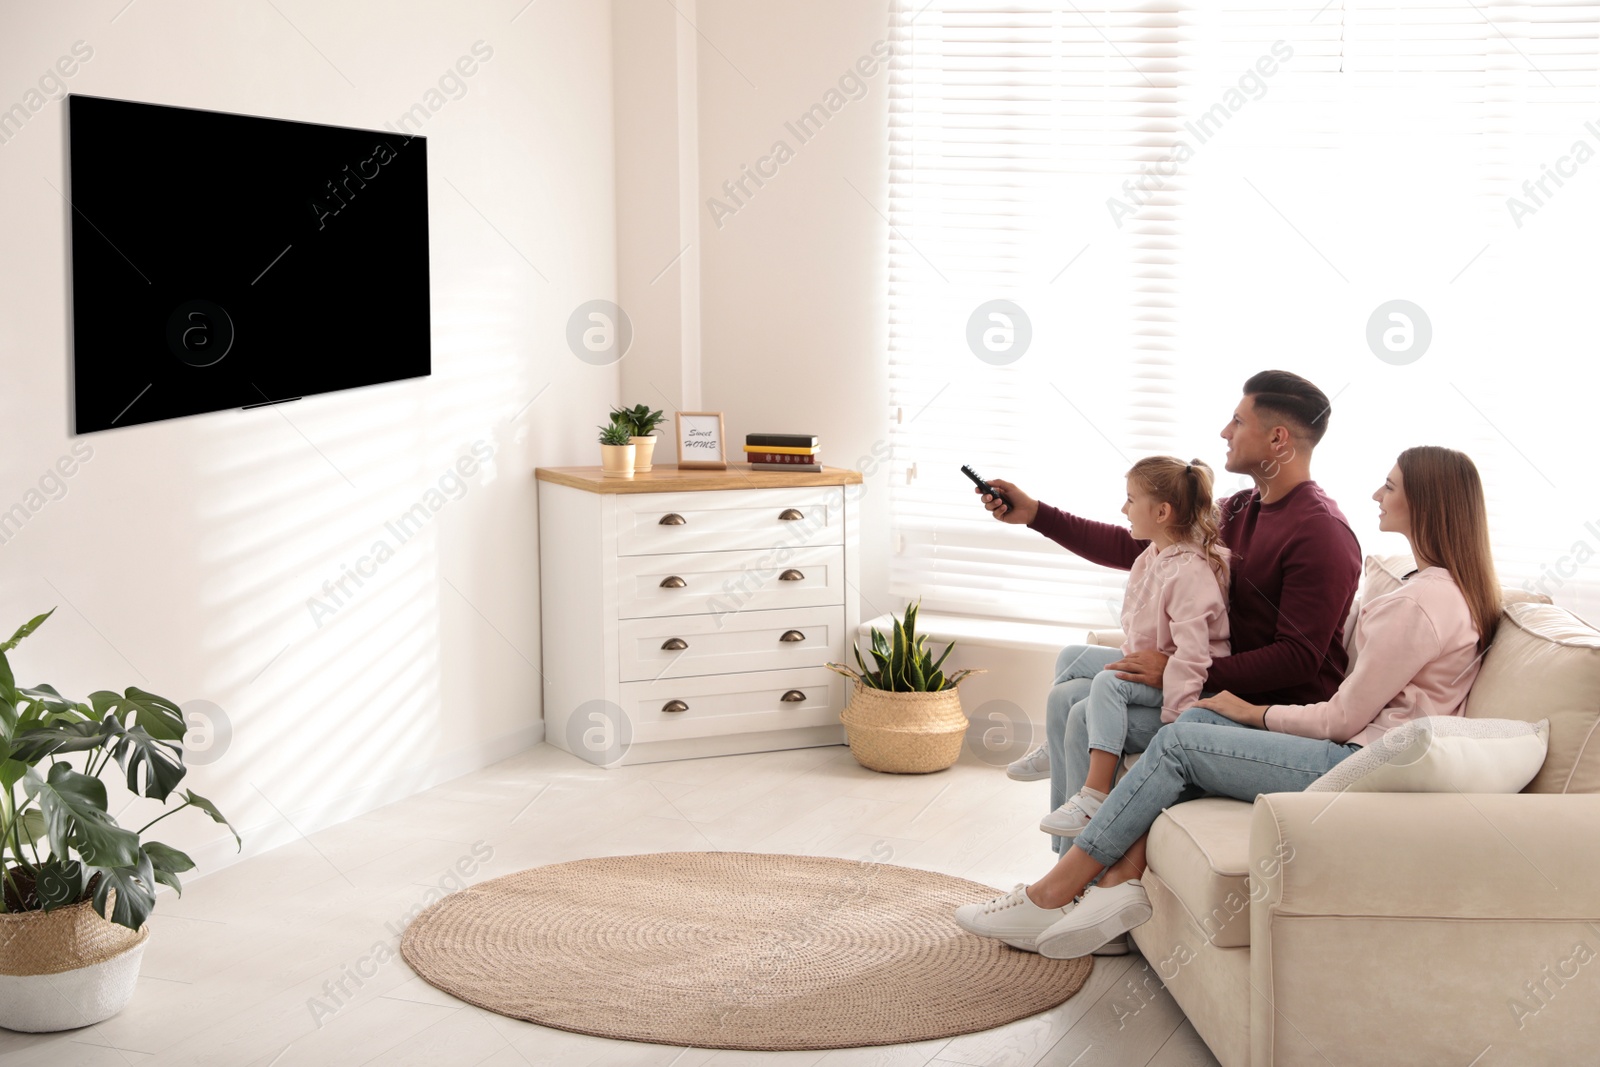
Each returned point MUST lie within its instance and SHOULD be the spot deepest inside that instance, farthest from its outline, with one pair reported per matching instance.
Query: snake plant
(904, 664)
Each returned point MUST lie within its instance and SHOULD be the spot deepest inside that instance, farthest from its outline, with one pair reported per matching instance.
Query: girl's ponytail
(1187, 487)
(1205, 525)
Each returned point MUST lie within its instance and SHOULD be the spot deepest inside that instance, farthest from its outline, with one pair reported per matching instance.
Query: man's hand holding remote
(1023, 507)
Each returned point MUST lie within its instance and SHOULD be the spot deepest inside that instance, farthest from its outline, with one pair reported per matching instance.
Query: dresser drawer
(686, 645)
(724, 520)
(721, 583)
(733, 703)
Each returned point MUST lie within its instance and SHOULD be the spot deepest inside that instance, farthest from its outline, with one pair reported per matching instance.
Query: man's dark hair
(1285, 396)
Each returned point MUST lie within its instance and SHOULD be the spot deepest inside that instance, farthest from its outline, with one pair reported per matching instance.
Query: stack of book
(782, 452)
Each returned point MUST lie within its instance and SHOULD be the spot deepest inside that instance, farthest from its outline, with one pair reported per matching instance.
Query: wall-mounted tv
(223, 261)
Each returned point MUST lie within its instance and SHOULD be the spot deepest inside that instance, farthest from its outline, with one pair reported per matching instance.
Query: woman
(1416, 650)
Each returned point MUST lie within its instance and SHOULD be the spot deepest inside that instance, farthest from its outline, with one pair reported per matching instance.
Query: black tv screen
(222, 261)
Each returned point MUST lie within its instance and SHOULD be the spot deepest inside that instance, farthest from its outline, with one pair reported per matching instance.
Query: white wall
(181, 556)
(658, 254)
(794, 305)
(794, 282)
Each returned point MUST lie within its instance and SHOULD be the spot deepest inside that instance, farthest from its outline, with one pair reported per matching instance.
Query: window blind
(1104, 219)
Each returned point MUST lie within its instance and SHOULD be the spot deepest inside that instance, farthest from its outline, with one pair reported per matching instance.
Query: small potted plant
(76, 887)
(905, 716)
(616, 450)
(641, 423)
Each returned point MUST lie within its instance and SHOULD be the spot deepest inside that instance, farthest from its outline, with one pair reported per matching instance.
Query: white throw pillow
(1443, 754)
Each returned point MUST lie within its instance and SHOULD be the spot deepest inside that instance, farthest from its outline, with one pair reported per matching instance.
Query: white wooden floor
(241, 970)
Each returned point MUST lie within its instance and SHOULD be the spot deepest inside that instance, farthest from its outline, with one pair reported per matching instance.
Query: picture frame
(702, 445)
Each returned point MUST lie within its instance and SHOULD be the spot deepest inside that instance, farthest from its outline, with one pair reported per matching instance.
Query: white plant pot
(616, 461)
(644, 451)
(45, 1003)
(65, 969)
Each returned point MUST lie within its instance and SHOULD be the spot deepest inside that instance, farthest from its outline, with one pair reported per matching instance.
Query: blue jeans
(1070, 730)
(1203, 754)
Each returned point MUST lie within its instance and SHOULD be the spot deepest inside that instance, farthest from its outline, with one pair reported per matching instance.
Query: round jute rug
(733, 950)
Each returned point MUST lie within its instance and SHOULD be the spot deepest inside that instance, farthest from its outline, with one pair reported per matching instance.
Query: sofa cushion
(1201, 849)
(1545, 664)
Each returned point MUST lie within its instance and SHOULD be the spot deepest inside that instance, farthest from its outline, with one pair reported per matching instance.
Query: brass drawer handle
(793, 635)
(789, 515)
(791, 575)
(674, 644)
(678, 705)
(672, 581)
(794, 696)
(671, 519)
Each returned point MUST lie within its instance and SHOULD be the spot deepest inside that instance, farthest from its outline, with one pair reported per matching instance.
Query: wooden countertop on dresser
(667, 478)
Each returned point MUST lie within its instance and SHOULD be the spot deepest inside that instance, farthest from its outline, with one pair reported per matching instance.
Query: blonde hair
(1187, 488)
(1450, 527)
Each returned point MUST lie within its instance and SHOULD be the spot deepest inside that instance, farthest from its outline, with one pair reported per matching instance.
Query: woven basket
(65, 969)
(50, 942)
(904, 733)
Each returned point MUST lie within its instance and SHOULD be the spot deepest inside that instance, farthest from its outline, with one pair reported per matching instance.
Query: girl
(1176, 603)
(1417, 653)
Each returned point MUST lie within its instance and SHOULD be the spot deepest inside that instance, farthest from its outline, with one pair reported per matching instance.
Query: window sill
(987, 632)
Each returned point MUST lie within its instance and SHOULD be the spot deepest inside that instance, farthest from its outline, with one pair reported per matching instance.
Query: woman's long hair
(1450, 527)
(1187, 487)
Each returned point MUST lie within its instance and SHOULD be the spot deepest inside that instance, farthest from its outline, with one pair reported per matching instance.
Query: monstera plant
(59, 842)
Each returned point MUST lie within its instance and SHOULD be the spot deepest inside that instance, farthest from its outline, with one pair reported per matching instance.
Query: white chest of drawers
(689, 613)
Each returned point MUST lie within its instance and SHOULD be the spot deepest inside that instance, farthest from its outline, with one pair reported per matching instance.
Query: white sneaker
(1117, 946)
(1012, 918)
(1098, 917)
(1070, 818)
(1032, 767)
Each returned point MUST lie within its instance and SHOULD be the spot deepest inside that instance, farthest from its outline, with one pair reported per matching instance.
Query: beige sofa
(1335, 929)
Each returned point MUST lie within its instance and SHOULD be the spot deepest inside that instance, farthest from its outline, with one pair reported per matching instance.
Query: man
(1295, 568)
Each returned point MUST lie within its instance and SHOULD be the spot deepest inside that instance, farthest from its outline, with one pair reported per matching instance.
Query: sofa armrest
(1465, 856)
(1425, 917)
(1109, 638)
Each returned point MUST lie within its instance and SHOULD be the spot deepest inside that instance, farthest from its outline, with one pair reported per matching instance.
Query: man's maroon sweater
(1295, 568)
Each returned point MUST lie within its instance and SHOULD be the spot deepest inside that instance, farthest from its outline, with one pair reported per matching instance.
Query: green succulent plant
(904, 664)
(616, 433)
(59, 842)
(639, 418)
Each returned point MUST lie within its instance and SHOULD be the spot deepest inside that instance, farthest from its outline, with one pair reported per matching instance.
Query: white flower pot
(65, 969)
(616, 461)
(645, 449)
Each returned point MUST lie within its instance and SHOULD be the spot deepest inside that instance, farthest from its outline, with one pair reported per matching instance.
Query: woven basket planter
(904, 733)
(66, 968)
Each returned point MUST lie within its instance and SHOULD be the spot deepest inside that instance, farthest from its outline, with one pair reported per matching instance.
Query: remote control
(985, 486)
